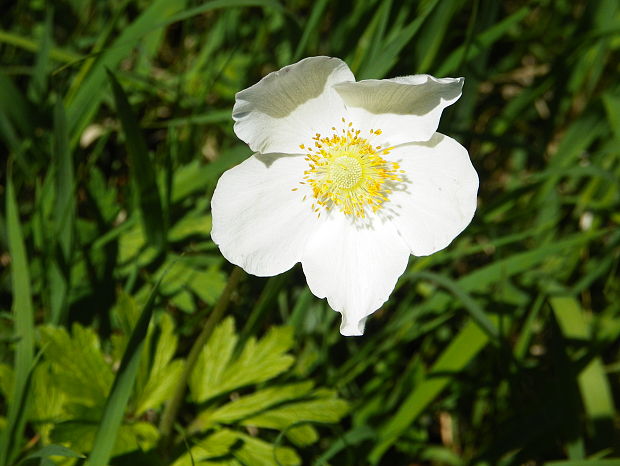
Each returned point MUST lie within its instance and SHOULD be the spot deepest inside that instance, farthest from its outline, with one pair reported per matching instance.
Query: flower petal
(355, 267)
(288, 107)
(405, 109)
(259, 224)
(439, 198)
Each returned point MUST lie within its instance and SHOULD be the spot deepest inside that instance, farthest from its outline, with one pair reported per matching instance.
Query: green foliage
(502, 349)
(291, 408)
(74, 385)
(218, 371)
(245, 450)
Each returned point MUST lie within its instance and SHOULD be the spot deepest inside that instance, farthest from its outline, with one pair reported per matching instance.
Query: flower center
(347, 172)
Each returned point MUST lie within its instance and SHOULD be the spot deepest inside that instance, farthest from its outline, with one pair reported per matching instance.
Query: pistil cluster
(345, 171)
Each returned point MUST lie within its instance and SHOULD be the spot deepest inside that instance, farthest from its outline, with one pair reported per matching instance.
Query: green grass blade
(469, 341)
(429, 41)
(31, 45)
(38, 83)
(611, 100)
(143, 174)
(455, 358)
(482, 42)
(311, 26)
(388, 56)
(361, 62)
(96, 51)
(592, 380)
(217, 4)
(122, 388)
(15, 106)
(481, 279)
(23, 317)
(475, 310)
(84, 103)
(64, 216)
(9, 136)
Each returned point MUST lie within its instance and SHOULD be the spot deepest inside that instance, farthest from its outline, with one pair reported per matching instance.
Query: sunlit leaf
(215, 373)
(82, 372)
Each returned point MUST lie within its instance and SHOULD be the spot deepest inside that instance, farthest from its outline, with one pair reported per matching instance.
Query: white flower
(349, 178)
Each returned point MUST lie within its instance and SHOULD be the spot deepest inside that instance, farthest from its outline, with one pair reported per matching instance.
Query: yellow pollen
(347, 172)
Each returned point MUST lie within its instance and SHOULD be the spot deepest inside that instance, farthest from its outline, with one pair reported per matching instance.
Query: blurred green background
(115, 124)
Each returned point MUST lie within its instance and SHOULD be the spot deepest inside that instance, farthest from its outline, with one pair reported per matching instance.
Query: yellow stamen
(348, 172)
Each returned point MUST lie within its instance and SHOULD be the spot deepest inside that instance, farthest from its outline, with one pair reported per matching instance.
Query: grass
(114, 128)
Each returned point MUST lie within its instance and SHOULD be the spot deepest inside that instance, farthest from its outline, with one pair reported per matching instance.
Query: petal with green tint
(287, 107)
(405, 109)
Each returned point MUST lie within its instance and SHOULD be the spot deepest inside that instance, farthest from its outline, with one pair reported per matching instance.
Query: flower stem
(174, 404)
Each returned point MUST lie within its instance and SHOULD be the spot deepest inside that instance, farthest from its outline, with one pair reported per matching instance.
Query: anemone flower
(349, 178)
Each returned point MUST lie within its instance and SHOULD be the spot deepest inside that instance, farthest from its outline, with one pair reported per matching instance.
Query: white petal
(405, 109)
(259, 224)
(356, 268)
(288, 107)
(438, 199)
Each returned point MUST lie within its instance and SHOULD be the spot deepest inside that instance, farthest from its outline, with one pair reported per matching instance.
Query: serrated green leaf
(215, 445)
(48, 401)
(81, 436)
(164, 373)
(160, 387)
(251, 404)
(52, 450)
(184, 300)
(126, 313)
(82, 371)
(256, 451)
(258, 361)
(322, 410)
(206, 284)
(302, 435)
(131, 242)
(190, 226)
(166, 344)
(262, 360)
(213, 361)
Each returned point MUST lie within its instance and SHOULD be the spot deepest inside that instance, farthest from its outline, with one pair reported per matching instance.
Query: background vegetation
(114, 128)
